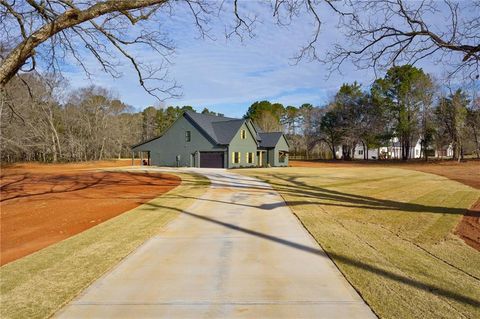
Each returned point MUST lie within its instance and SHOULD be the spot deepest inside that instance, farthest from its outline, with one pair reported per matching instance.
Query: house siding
(164, 150)
(281, 146)
(244, 146)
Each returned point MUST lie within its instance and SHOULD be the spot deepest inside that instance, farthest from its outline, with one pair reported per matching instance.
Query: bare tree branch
(65, 20)
(383, 33)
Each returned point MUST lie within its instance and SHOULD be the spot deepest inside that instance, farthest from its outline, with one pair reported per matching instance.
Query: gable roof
(219, 128)
(270, 139)
(226, 130)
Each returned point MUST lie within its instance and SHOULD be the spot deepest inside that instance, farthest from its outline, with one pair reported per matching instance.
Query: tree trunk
(424, 149)
(406, 149)
(54, 149)
(477, 142)
(70, 18)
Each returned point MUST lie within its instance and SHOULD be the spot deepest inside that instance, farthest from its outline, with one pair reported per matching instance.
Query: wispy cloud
(227, 76)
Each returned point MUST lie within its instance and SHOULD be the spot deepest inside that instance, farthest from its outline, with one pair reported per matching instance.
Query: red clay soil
(39, 168)
(469, 227)
(467, 173)
(40, 207)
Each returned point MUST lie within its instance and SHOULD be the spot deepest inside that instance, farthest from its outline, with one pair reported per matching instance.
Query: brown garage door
(211, 159)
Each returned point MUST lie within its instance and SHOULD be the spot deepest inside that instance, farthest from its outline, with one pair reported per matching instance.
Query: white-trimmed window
(250, 158)
(360, 152)
(235, 157)
(188, 136)
(243, 134)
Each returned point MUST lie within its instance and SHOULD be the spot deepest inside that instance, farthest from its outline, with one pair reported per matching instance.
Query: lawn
(390, 232)
(37, 285)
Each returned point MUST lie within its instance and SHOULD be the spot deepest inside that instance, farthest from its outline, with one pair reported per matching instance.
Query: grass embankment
(37, 285)
(390, 231)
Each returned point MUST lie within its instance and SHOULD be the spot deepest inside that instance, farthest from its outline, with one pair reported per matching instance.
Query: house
(203, 140)
(445, 151)
(372, 153)
(394, 151)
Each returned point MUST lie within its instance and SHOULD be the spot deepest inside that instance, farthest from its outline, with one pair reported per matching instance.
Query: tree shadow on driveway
(328, 197)
(428, 288)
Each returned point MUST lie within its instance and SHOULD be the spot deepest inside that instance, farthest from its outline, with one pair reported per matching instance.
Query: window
(243, 134)
(188, 136)
(249, 157)
(235, 157)
(282, 156)
(360, 152)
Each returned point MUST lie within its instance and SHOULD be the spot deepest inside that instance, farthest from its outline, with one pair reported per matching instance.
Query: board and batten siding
(244, 146)
(164, 150)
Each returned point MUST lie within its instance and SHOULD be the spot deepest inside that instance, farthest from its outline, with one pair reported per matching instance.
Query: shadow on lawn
(326, 196)
(438, 291)
(333, 198)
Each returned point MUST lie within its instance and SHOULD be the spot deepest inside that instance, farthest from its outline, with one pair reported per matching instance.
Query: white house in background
(446, 151)
(372, 153)
(394, 151)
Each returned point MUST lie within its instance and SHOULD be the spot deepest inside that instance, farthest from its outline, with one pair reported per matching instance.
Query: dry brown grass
(390, 232)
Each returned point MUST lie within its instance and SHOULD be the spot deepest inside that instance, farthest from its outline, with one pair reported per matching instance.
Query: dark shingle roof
(270, 139)
(226, 130)
(219, 128)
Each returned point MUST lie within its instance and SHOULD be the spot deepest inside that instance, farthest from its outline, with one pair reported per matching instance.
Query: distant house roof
(270, 139)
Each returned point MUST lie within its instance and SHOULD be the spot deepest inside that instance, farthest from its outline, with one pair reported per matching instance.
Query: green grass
(390, 232)
(37, 285)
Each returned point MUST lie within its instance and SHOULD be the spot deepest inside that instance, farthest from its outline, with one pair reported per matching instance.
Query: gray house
(201, 140)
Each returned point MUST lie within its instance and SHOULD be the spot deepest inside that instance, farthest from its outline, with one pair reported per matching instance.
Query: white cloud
(227, 76)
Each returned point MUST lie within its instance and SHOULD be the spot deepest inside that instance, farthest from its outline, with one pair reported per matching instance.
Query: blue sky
(227, 76)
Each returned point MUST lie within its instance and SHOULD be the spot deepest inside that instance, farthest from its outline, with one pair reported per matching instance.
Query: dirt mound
(41, 208)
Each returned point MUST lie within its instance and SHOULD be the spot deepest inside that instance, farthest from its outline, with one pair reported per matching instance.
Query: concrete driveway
(237, 252)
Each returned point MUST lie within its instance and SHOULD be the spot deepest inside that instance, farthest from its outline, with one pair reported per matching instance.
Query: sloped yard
(391, 232)
(37, 285)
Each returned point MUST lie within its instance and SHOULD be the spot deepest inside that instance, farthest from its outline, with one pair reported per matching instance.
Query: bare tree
(54, 30)
(30, 130)
(473, 122)
(50, 30)
(382, 33)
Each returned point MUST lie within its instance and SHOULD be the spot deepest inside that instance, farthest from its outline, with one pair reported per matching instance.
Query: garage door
(211, 159)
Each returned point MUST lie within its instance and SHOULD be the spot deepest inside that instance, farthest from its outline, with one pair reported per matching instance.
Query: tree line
(40, 122)
(406, 105)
